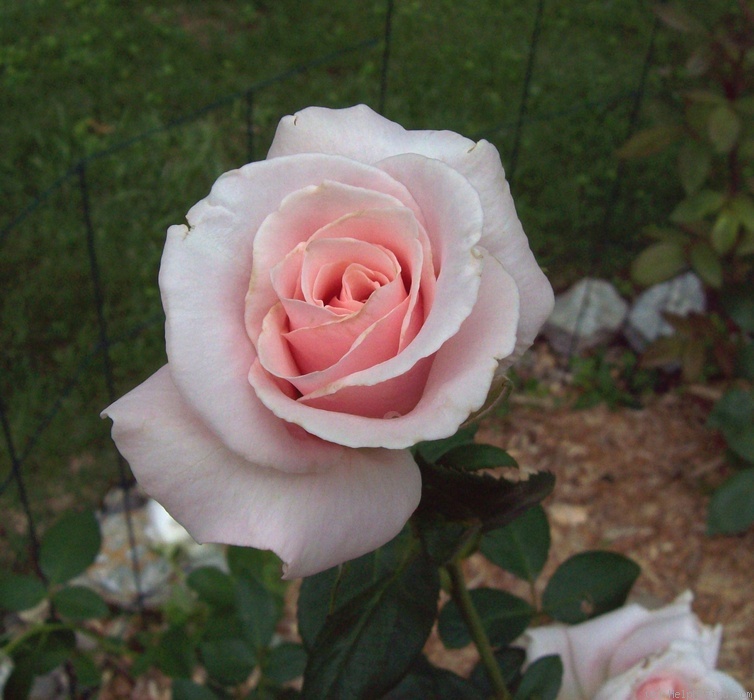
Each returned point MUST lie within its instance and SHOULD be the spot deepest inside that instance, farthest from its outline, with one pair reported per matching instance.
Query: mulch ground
(635, 482)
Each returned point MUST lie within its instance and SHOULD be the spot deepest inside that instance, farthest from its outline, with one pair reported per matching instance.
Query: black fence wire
(79, 178)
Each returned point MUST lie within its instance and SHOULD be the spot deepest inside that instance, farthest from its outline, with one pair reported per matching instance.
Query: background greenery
(86, 79)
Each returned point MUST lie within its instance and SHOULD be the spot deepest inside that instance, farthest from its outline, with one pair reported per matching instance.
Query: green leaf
(222, 624)
(432, 450)
(258, 611)
(694, 163)
(706, 263)
(441, 540)
(315, 599)
(471, 497)
(473, 456)
(696, 206)
(79, 603)
(284, 663)
(731, 509)
(259, 564)
(542, 680)
(367, 645)
(504, 617)
(657, 263)
(322, 594)
(742, 205)
(724, 126)
(724, 232)
(86, 670)
(20, 592)
(213, 586)
(228, 661)
(522, 546)
(733, 416)
(649, 141)
(738, 303)
(428, 682)
(589, 584)
(174, 654)
(39, 655)
(184, 689)
(70, 546)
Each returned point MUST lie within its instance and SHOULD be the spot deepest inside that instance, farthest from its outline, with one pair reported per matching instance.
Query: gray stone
(112, 574)
(681, 295)
(589, 314)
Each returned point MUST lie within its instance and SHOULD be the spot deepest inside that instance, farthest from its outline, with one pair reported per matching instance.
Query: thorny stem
(462, 599)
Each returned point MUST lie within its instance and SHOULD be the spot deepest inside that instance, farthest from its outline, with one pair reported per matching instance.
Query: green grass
(81, 77)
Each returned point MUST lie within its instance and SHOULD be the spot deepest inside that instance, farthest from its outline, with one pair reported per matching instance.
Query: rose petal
(388, 240)
(504, 238)
(672, 622)
(359, 133)
(326, 261)
(312, 521)
(320, 346)
(303, 214)
(453, 224)
(457, 385)
(376, 344)
(204, 279)
(362, 134)
(680, 668)
(591, 668)
(612, 643)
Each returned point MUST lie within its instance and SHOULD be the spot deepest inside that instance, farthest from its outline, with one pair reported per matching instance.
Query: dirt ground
(635, 482)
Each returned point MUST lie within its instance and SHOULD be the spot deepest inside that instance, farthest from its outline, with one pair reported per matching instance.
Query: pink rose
(609, 645)
(681, 671)
(351, 295)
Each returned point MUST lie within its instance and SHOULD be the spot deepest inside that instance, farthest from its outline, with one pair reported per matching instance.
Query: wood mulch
(635, 482)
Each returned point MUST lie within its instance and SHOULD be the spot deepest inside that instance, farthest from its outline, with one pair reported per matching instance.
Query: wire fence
(96, 364)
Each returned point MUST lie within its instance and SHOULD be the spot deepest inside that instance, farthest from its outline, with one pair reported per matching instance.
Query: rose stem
(461, 596)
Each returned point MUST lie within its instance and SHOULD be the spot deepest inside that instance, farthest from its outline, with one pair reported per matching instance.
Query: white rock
(588, 314)
(681, 295)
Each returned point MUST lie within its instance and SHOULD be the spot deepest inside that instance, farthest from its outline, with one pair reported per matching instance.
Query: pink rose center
(350, 296)
(661, 688)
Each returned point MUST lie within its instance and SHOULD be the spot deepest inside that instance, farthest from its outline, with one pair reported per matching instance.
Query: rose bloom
(634, 654)
(681, 671)
(355, 293)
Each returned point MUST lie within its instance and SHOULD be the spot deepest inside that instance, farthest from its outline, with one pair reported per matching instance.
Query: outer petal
(364, 135)
(663, 626)
(586, 648)
(204, 279)
(458, 382)
(505, 239)
(312, 521)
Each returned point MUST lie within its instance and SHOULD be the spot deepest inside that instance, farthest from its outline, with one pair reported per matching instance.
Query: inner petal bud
(359, 282)
(328, 267)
